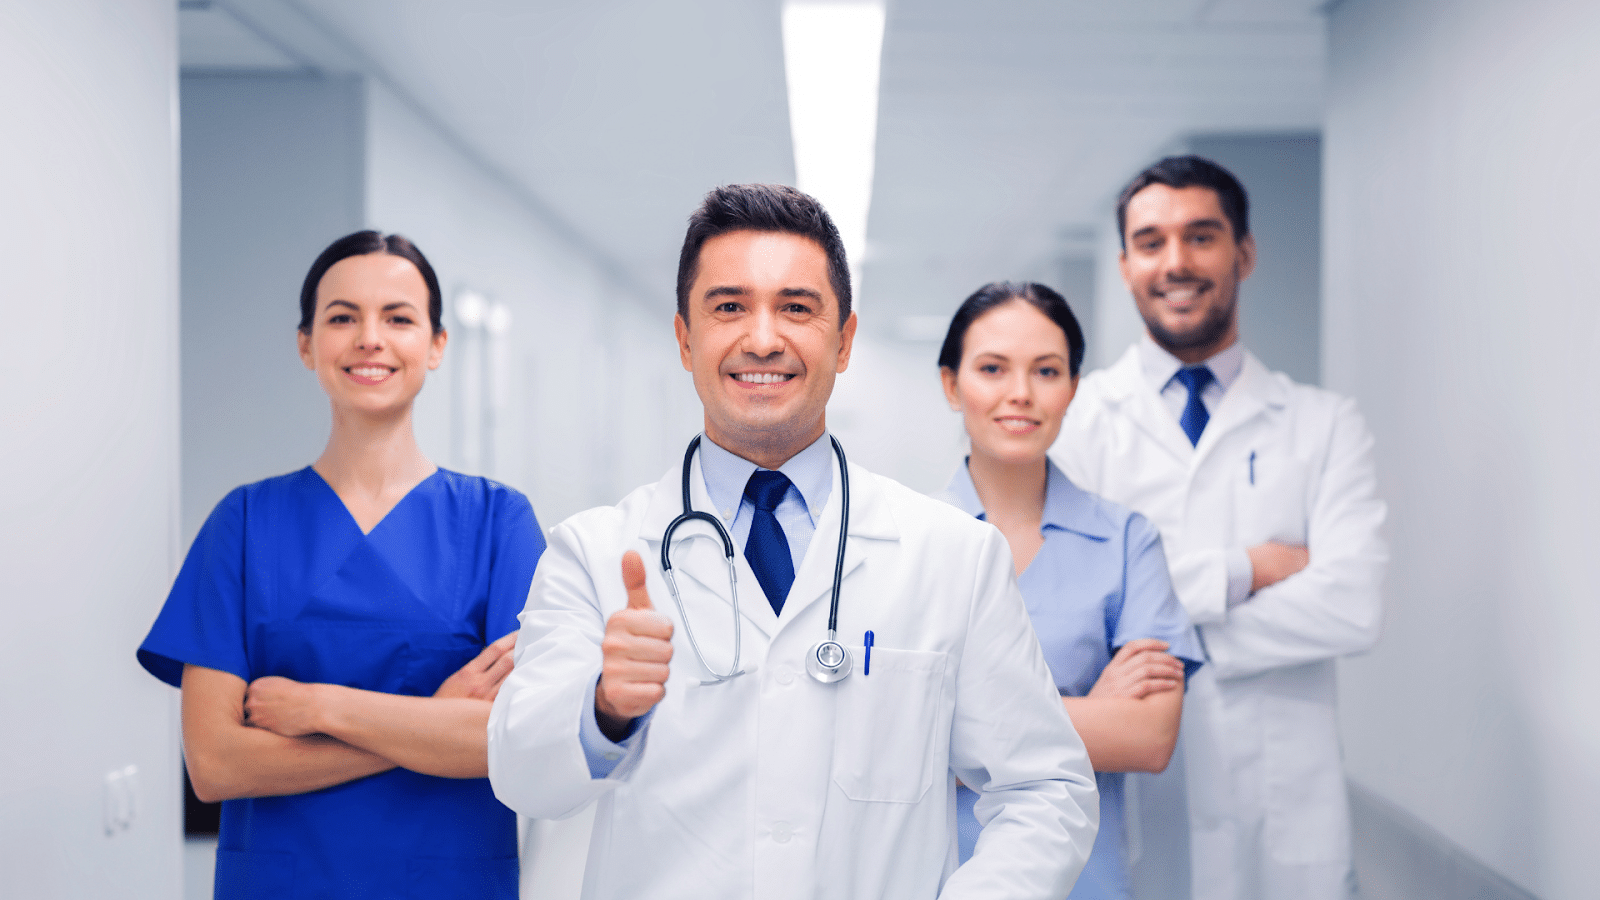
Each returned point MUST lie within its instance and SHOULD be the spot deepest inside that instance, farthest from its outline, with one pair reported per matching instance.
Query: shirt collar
(726, 474)
(1066, 506)
(1159, 366)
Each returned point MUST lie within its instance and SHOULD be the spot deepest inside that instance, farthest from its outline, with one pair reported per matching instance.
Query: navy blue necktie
(1194, 417)
(766, 548)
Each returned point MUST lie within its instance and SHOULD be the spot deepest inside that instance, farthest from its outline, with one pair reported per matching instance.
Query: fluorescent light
(831, 54)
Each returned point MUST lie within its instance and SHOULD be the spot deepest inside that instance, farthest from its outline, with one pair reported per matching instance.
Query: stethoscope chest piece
(828, 661)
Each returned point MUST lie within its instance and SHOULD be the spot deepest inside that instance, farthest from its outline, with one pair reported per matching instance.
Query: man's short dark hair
(762, 207)
(1190, 171)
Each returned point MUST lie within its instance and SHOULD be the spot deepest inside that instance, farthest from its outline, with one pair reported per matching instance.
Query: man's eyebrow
(728, 290)
(801, 292)
(1204, 223)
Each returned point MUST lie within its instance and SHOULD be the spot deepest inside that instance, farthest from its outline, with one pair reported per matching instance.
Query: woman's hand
(1140, 668)
(481, 677)
(282, 706)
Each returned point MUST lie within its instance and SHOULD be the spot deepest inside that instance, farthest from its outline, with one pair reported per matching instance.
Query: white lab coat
(1278, 461)
(774, 786)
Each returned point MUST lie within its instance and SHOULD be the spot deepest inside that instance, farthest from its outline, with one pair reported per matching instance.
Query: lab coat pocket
(252, 874)
(1270, 499)
(887, 720)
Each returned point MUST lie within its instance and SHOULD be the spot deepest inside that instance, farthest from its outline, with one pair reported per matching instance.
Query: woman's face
(370, 342)
(1013, 386)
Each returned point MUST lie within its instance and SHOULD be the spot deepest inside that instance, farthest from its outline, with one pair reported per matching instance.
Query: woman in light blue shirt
(1092, 572)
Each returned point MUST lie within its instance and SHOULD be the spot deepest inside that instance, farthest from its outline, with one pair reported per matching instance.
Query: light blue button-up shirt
(1099, 581)
(810, 474)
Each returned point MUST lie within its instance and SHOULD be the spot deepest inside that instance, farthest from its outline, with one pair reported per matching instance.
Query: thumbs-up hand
(636, 650)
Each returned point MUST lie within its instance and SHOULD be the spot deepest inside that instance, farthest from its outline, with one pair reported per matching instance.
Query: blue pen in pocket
(867, 640)
(1252, 468)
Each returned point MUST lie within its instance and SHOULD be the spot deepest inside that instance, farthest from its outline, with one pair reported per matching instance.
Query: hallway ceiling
(1004, 128)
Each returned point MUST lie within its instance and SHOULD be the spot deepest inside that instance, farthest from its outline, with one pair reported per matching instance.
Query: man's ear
(681, 329)
(1247, 256)
(847, 340)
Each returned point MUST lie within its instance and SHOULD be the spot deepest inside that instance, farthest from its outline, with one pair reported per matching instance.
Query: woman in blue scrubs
(1092, 573)
(340, 632)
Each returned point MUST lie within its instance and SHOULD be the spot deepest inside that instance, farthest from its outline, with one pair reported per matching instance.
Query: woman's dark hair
(998, 293)
(360, 244)
(762, 207)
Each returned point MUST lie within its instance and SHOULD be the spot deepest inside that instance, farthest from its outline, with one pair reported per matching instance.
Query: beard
(1207, 332)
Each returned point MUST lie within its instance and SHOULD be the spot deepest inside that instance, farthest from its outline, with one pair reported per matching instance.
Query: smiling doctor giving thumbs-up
(733, 739)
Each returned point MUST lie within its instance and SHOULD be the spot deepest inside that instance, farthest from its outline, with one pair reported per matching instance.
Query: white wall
(272, 173)
(89, 401)
(597, 401)
(1460, 309)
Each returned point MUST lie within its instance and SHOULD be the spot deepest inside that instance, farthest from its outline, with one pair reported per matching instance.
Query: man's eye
(799, 309)
(727, 307)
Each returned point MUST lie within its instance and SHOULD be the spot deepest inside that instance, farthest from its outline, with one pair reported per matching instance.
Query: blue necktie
(766, 548)
(1194, 417)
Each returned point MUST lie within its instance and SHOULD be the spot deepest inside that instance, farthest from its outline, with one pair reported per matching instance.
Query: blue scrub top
(1099, 581)
(281, 581)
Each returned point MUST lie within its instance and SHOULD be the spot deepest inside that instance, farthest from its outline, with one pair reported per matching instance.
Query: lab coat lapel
(1254, 393)
(1126, 385)
(870, 520)
(697, 553)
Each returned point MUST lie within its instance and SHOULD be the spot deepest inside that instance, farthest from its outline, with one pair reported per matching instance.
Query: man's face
(763, 342)
(1183, 266)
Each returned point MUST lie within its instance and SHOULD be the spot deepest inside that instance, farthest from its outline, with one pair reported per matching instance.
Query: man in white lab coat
(772, 784)
(1265, 496)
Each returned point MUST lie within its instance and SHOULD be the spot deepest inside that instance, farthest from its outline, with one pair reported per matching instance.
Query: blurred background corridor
(1421, 179)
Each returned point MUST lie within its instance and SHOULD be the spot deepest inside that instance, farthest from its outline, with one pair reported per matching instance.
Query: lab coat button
(785, 677)
(781, 832)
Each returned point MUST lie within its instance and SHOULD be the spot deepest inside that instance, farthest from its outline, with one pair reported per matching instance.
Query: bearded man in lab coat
(771, 784)
(1264, 493)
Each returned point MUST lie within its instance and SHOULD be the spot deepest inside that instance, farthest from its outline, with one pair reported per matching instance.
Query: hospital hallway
(1419, 175)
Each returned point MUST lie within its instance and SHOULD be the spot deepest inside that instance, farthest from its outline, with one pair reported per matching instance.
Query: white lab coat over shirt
(1278, 461)
(774, 786)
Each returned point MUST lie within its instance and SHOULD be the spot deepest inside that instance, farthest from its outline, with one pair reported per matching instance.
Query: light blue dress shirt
(810, 474)
(1099, 581)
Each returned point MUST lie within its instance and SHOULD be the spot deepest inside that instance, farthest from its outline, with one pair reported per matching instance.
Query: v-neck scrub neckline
(390, 511)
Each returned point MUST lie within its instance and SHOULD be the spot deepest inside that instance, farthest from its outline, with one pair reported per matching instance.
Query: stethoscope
(827, 661)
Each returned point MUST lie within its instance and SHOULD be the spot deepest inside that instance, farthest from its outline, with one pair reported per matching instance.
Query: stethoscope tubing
(690, 514)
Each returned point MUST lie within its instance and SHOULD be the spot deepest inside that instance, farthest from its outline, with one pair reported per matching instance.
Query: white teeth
(761, 377)
(369, 372)
(1181, 296)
